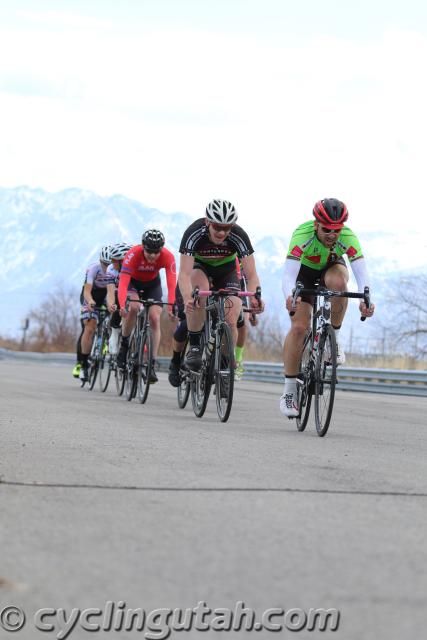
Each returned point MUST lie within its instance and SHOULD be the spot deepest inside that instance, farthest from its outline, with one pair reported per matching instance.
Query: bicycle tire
(145, 362)
(183, 391)
(120, 376)
(104, 362)
(224, 372)
(93, 361)
(131, 369)
(201, 382)
(325, 379)
(305, 390)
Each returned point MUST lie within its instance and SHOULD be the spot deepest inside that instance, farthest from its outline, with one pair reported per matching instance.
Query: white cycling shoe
(289, 404)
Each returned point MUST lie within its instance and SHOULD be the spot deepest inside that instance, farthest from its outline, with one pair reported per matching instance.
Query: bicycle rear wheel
(131, 369)
(183, 391)
(201, 382)
(305, 390)
(224, 372)
(325, 379)
(104, 362)
(145, 360)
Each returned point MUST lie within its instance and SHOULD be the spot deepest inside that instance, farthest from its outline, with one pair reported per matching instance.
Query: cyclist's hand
(253, 319)
(91, 304)
(189, 305)
(172, 316)
(289, 306)
(364, 311)
(112, 307)
(257, 305)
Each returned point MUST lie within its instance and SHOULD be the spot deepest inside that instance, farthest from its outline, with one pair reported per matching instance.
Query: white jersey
(96, 276)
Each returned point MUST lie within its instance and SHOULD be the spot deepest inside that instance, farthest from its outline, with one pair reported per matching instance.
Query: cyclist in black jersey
(208, 260)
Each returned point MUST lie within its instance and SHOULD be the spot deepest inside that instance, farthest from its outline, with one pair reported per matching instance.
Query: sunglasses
(326, 230)
(151, 252)
(221, 227)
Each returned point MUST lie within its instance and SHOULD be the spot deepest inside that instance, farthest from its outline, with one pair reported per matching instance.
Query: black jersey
(196, 242)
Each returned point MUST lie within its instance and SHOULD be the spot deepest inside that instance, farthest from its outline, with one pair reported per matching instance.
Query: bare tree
(54, 324)
(409, 328)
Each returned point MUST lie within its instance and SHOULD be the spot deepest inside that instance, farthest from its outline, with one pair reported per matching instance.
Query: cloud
(174, 117)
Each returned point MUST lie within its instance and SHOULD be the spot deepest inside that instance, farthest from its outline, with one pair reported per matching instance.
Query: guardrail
(392, 381)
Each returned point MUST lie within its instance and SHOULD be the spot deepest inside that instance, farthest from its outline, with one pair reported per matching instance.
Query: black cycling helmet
(331, 212)
(153, 240)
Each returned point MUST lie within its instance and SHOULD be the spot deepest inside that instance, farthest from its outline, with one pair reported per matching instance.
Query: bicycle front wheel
(305, 389)
(104, 363)
(183, 391)
(93, 361)
(224, 372)
(325, 379)
(201, 382)
(131, 369)
(120, 375)
(145, 359)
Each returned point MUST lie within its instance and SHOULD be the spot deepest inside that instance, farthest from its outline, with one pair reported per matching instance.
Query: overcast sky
(272, 104)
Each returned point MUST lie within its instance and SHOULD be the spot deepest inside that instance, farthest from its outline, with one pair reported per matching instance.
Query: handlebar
(328, 293)
(149, 302)
(226, 292)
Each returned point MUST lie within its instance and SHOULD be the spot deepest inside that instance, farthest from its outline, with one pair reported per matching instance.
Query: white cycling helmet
(104, 256)
(221, 211)
(119, 250)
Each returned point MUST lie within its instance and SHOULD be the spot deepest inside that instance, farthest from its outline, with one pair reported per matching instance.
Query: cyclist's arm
(249, 268)
(184, 277)
(360, 273)
(170, 269)
(87, 293)
(111, 295)
(124, 280)
(248, 265)
(289, 278)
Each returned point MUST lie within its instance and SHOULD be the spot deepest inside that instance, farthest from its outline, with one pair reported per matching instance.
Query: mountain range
(48, 239)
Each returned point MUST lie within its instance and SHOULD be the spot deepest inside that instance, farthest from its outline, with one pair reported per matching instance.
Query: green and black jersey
(196, 242)
(306, 247)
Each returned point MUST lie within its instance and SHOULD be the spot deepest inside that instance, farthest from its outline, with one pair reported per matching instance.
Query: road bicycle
(139, 360)
(99, 346)
(318, 367)
(217, 353)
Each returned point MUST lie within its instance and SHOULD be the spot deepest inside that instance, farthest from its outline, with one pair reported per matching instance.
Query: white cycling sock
(290, 385)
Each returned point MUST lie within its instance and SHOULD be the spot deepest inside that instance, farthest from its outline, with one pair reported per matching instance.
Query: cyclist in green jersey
(316, 253)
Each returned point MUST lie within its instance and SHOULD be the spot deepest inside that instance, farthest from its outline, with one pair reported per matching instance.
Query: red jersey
(137, 267)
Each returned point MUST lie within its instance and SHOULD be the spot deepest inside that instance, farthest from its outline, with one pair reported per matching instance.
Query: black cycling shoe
(193, 359)
(174, 377)
(121, 356)
(153, 376)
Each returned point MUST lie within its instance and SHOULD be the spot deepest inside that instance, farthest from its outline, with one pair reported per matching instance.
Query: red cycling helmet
(331, 213)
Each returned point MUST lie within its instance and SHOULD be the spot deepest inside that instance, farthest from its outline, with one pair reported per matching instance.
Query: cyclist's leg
(179, 341)
(292, 349)
(196, 319)
(242, 331)
(77, 366)
(128, 322)
(336, 278)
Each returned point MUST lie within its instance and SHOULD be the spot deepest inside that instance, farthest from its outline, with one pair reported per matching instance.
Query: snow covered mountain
(50, 238)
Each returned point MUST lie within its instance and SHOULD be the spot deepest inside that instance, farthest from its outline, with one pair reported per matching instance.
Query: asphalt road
(104, 500)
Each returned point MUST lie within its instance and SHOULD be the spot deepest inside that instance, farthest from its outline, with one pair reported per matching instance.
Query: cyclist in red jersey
(140, 275)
